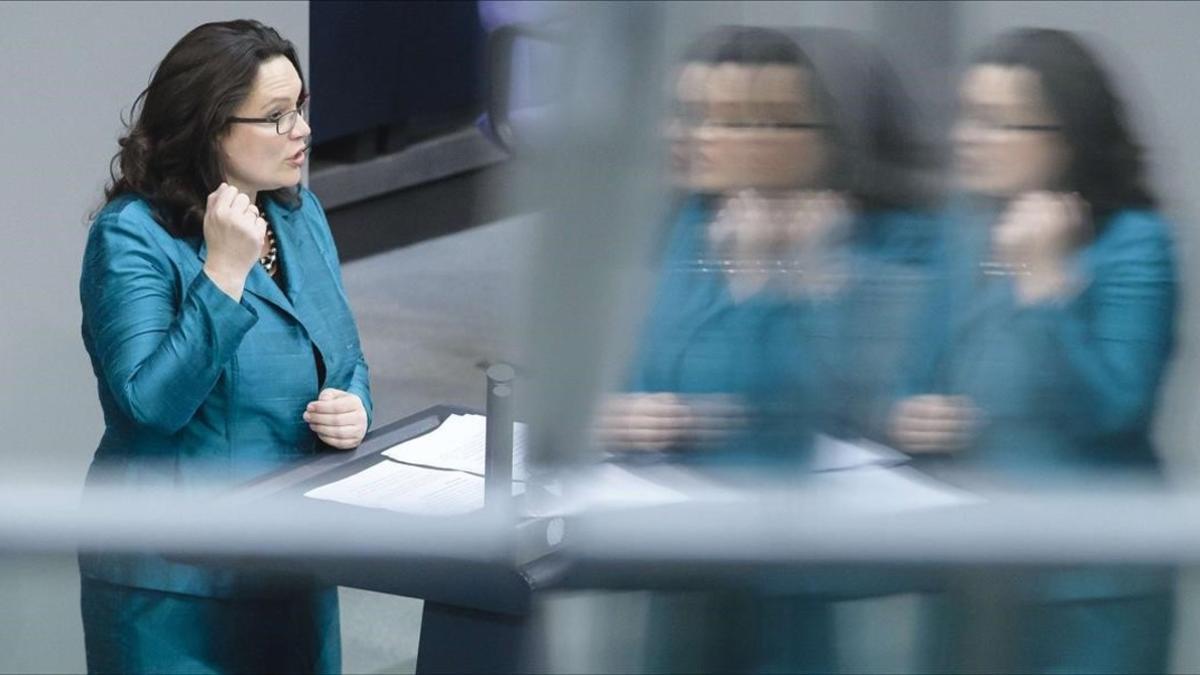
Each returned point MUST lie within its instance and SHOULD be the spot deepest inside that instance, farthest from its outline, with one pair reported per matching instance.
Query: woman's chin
(288, 180)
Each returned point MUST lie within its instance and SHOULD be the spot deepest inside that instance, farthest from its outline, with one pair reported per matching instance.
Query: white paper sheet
(458, 444)
(408, 489)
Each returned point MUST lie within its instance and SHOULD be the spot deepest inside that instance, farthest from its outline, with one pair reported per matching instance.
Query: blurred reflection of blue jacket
(196, 387)
(1066, 386)
(698, 340)
(891, 263)
(802, 365)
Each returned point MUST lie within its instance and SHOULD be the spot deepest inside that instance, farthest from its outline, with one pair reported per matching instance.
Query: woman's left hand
(758, 234)
(338, 418)
(1037, 235)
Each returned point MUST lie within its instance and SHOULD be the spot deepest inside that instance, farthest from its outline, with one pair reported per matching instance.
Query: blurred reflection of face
(1007, 140)
(747, 126)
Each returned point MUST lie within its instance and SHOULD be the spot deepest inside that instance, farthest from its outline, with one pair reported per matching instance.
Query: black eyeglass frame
(299, 111)
(1027, 127)
(695, 123)
(993, 125)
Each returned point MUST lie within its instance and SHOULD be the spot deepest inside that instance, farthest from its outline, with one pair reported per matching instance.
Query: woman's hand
(790, 234)
(234, 233)
(664, 421)
(338, 418)
(933, 424)
(1036, 236)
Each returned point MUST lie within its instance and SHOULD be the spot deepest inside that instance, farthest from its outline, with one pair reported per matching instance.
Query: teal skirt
(140, 630)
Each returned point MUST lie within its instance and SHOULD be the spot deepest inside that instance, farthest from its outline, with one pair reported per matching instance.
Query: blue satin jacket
(198, 389)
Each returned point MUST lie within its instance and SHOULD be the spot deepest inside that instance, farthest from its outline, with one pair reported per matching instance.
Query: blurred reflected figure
(723, 377)
(1042, 358)
(720, 377)
(765, 326)
(886, 246)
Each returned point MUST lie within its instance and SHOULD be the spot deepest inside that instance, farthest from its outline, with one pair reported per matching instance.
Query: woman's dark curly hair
(170, 154)
(1106, 166)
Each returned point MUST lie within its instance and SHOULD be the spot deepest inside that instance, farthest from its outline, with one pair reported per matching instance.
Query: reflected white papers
(879, 489)
(863, 489)
(836, 454)
(608, 486)
(408, 489)
(458, 444)
(441, 473)
(865, 476)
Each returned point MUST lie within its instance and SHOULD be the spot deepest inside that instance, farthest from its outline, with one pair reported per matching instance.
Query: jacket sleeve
(159, 346)
(1107, 349)
(360, 384)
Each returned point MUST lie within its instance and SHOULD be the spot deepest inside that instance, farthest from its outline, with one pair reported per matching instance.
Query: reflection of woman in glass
(219, 332)
(1060, 300)
(717, 376)
(735, 357)
(721, 377)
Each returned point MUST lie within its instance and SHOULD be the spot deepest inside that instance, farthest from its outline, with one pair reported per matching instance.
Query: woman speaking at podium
(223, 345)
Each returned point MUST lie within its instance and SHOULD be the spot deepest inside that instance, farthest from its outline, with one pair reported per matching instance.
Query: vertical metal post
(498, 452)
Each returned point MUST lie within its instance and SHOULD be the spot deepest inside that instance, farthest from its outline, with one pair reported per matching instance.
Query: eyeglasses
(284, 122)
(696, 123)
(988, 123)
(692, 116)
(722, 124)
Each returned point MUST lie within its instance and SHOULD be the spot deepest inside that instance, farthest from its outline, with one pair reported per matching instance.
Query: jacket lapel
(257, 282)
(301, 258)
(293, 248)
(312, 286)
(263, 286)
(304, 263)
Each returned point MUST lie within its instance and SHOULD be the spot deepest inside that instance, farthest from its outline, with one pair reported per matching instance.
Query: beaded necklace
(270, 261)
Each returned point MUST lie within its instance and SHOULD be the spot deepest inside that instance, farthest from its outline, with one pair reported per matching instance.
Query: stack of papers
(438, 473)
(441, 473)
(458, 445)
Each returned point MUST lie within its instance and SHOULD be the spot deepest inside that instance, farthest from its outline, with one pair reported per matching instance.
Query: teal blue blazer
(200, 390)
